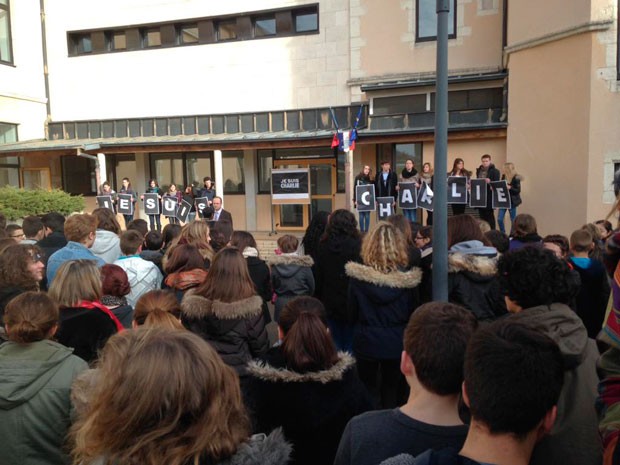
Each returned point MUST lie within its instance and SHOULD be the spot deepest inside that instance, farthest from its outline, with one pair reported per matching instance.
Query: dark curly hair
(14, 263)
(533, 276)
(314, 232)
(341, 226)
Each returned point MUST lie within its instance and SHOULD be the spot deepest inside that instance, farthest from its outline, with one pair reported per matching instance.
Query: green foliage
(19, 203)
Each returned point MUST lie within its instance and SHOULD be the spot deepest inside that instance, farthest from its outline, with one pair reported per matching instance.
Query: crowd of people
(184, 346)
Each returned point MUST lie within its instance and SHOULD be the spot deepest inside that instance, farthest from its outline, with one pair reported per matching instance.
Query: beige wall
(548, 132)
(235, 204)
(470, 151)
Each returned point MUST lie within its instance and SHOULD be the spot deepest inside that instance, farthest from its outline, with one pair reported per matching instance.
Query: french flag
(345, 140)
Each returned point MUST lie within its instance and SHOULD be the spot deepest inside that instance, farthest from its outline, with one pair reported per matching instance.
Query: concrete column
(250, 176)
(348, 180)
(103, 172)
(219, 174)
(140, 183)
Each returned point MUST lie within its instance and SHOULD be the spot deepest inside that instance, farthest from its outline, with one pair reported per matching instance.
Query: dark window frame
(189, 25)
(9, 61)
(217, 30)
(305, 12)
(267, 17)
(263, 153)
(231, 154)
(419, 38)
(144, 32)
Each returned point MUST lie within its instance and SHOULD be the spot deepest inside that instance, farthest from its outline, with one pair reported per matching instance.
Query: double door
(296, 217)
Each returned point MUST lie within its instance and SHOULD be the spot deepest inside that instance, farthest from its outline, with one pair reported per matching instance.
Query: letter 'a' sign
(425, 197)
(169, 206)
(457, 189)
(365, 195)
(151, 204)
(183, 210)
(290, 186)
(385, 207)
(478, 193)
(407, 196)
(125, 204)
(105, 201)
(501, 196)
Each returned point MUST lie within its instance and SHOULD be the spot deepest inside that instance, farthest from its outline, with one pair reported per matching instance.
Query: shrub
(19, 203)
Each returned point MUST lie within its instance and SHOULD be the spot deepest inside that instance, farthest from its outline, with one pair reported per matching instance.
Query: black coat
(312, 408)
(381, 304)
(593, 296)
(387, 188)
(261, 277)
(494, 175)
(85, 330)
(236, 330)
(332, 282)
(515, 190)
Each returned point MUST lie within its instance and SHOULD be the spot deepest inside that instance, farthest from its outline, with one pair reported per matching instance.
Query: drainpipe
(48, 105)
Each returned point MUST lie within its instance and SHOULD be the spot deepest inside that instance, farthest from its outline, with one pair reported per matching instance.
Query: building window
(426, 20)
(118, 40)
(306, 21)
(188, 33)
(9, 166)
(78, 175)
(404, 152)
(197, 167)
(151, 37)
(265, 26)
(265, 163)
(227, 30)
(6, 52)
(82, 44)
(232, 168)
(8, 133)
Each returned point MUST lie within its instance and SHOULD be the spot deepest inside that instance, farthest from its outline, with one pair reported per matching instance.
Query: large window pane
(227, 30)
(83, 44)
(152, 38)
(426, 29)
(404, 152)
(78, 175)
(9, 177)
(197, 167)
(119, 40)
(306, 22)
(232, 167)
(8, 133)
(6, 54)
(189, 34)
(265, 27)
(265, 162)
(167, 168)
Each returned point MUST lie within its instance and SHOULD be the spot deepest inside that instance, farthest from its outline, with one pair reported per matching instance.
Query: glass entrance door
(297, 217)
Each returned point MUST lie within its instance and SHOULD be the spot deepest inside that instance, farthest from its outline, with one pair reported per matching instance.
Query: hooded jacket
(35, 406)
(291, 276)
(236, 329)
(574, 439)
(143, 276)
(472, 282)
(313, 408)
(107, 246)
(380, 304)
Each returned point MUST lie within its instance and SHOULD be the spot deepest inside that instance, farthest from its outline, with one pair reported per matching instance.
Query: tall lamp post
(440, 206)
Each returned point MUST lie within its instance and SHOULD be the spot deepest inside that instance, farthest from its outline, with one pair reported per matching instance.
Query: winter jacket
(313, 408)
(72, 251)
(8, 293)
(574, 439)
(155, 256)
(35, 408)
(291, 276)
(381, 304)
(107, 246)
(52, 243)
(236, 329)
(332, 282)
(183, 281)
(515, 190)
(529, 240)
(360, 180)
(493, 175)
(447, 456)
(143, 276)
(472, 281)
(386, 188)
(260, 449)
(261, 277)
(86, 330)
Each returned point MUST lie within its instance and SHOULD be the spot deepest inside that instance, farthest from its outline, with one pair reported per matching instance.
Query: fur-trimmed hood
(484, 266)
(196, 306)
(263, 370)
(291, 259)
(395, 279)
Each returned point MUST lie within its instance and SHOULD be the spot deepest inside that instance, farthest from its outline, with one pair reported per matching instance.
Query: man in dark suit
(488, 171)
(386, 182)
(219, 214)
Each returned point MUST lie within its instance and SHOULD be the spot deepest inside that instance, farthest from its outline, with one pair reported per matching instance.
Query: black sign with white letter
(478, 193)
(457, 189)
(501, 196)
(201, 203)
(425, 197)
(365, 195)
(151, 204)
(183, 210)
(105, 201)
(125, 204)
(169, 206)
(385, 207)
(407, 196)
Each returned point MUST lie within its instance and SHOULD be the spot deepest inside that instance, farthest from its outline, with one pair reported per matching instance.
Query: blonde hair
(158, 309)
(192, 411)
(196, 233)
(78, 227)
(509, 171)
(384, 248)
(76, 280)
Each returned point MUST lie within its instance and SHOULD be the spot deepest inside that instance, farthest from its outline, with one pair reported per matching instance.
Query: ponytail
(307, 345)
(30, 317)
(158, 308)
(161, 319)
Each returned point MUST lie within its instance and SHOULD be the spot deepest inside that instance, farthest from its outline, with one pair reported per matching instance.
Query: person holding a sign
(458, 169)
(514, 189)
(362, 179)
(188, 196)
(175, 193)
(126, 189)
(488, 172)
(409, 174)
(386, 182)
(154, 213)
(208, 190)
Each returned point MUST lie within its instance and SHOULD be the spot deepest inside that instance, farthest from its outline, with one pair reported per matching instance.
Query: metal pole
(440, 207)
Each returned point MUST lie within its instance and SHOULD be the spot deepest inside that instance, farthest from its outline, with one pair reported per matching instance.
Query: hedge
(19, 203)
